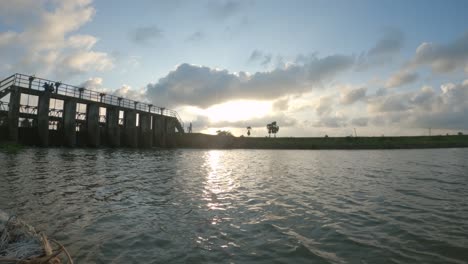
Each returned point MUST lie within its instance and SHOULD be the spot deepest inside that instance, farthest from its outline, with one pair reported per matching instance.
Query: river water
(244, 206)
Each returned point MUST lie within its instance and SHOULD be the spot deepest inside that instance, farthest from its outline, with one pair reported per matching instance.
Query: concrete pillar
(159, 131)
(92, 125)
(13, 114)
(43, 118)
(170, 131)
(69, 123)
(112, 126)
(146, 139)
(131, 139)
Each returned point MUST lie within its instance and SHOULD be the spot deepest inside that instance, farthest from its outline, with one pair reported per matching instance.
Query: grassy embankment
(197, 140)
(10, 146)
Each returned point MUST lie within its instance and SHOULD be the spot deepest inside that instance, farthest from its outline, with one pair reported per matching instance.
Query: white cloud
(47, 45)
(443, 58)
(401, 78)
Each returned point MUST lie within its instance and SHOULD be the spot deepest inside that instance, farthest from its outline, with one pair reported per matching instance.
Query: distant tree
(460, 133)
(224, 133)
(248, 130)
(326, 136)
(272, 128)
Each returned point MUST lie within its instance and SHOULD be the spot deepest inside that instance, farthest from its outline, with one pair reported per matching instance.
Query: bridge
(42, 112)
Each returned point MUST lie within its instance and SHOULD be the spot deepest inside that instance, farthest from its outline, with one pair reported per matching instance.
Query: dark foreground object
(197, 140)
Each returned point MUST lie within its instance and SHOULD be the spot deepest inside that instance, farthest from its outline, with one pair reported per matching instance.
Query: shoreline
(204, 141)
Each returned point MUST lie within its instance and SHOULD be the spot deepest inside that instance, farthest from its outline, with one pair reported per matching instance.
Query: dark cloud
(401, 78)
(443, 58)
(144, 35)
(352, 96)
(203, 86)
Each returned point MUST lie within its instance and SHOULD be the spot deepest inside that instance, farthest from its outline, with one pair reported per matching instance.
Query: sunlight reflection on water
(244, 206)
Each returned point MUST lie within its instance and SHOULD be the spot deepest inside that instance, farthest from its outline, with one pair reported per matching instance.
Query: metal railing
(27, 109)
(4, 106)
(7, 82)
(40, 84)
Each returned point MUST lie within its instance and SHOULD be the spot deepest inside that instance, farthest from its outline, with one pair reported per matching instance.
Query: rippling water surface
(244, 206)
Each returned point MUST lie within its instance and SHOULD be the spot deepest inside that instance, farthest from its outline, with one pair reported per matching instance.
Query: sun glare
(238, 110)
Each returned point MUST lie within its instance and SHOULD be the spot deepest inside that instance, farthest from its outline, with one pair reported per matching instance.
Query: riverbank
(198, 140)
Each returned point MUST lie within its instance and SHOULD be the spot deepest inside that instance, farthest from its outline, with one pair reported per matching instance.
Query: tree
(224, 133)
(248, 130)
(272, 128)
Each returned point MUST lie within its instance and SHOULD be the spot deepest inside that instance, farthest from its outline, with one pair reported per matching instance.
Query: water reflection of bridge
(42, 112)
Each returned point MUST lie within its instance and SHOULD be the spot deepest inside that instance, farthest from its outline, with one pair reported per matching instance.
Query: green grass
(10, 147)
(208, 141)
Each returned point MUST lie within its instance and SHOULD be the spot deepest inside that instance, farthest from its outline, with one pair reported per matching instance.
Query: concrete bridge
(42, 112)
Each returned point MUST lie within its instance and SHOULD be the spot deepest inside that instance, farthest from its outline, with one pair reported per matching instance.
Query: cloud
(391, 43)
(145, 35)
(125, 91)
(95, 84)
(203, 86)
(281, 119)
(325, 105)
(331, 121)
(390, 103)
(258, 56)
(424, 108)
(443, 58)
(401, 78)
(360, 121)
(281, 104)
(222, 10)
(351, 96)
(195, 37)
(383, 51)
(46, 44)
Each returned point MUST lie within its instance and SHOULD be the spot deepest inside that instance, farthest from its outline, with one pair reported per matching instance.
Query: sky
(315, 67)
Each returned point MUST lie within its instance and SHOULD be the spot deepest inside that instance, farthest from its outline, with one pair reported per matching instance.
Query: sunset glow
(238, 110)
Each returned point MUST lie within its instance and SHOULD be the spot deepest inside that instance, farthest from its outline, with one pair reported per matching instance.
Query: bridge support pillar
(146, 138)
(113, 128)
(92, 125)
(13, 114)
(131, 139)
(69, 123)
(170, 131)
(159, 129)
(43, 118)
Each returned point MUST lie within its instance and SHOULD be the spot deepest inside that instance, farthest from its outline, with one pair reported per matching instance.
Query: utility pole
(355, 134)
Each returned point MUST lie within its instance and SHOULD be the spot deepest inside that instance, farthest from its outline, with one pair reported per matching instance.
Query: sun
(234, 111)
